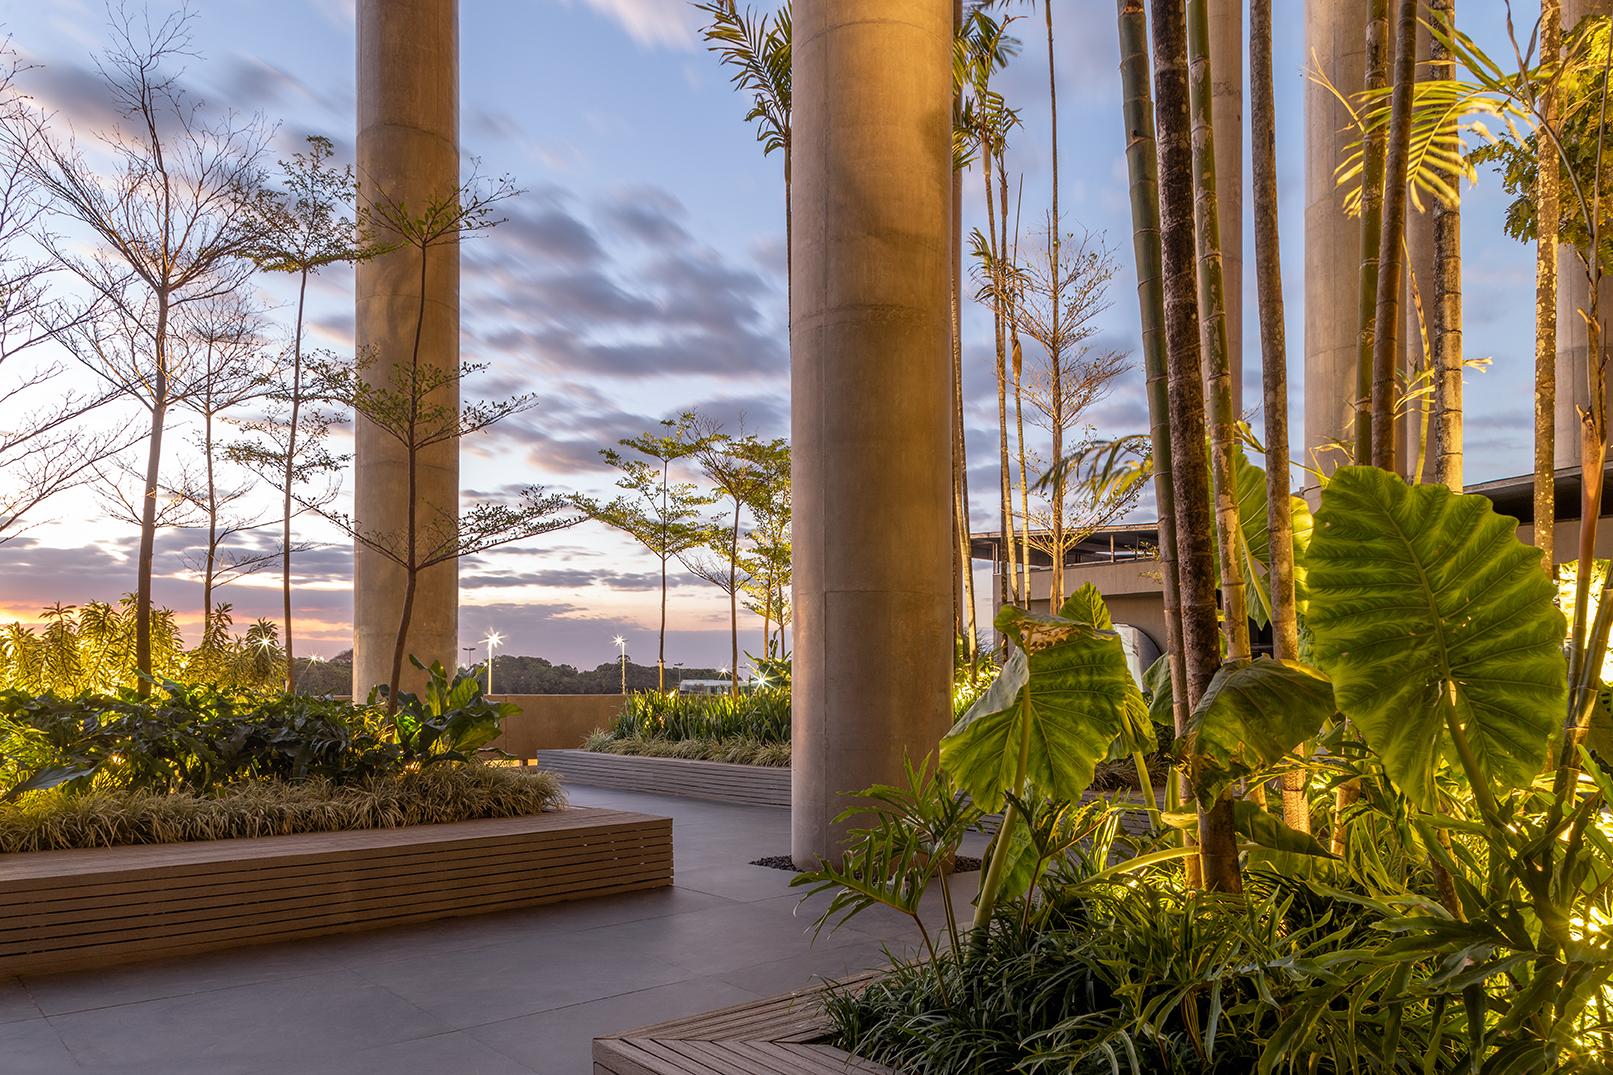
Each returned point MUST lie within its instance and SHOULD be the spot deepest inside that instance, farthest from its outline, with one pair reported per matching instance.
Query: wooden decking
(67, 909)
(780, 1036)
(750, 785)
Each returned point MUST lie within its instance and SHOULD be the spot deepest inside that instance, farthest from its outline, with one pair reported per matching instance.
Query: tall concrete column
(870, 387)
(408, 147)
(1335, 33)
(1574, 295)
(1227, 46)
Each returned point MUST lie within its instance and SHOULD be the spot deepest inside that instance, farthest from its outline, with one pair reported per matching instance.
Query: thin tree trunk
(212, 524)
(289, 477)
(1017, 593)
(148, 507)
(1055, 239)
(1016, 359)
(1447, 328)
(405, 617)
(1372, 165)
(1391, 249)
(1142, 166)
(1548, 214)
(1274, 371)
(1213, 329)
(666, 540)
(1005, 561)
(733, 592)
(1190, 477)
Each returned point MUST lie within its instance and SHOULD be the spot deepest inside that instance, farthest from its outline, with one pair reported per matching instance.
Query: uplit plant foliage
(762, 715)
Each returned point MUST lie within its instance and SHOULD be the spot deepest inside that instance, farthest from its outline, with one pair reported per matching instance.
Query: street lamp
(469, 650)
(621, 644)
(492, 640)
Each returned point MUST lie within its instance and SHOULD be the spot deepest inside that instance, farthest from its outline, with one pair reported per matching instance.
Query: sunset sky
(642, 273)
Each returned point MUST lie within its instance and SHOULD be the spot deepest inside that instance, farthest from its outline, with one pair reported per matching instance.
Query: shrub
(762, 715)
(736, 751)
(55, 819)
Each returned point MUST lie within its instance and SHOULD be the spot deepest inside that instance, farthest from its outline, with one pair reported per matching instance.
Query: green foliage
(1437, 628)
(1255, 538)
(199, 739)
(1251, 716)
(1050, 716)
(762, 715)
(735, 751)
(110, 817)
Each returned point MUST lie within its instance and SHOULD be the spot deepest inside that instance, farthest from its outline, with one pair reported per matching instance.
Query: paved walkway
(504, 994)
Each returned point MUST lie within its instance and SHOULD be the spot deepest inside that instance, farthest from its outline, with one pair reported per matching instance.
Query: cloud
(651, 22)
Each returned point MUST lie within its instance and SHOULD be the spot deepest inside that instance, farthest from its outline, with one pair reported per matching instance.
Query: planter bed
(752, 785)
(780, 1036)
(68, 909)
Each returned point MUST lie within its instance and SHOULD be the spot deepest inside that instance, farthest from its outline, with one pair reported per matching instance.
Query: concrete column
(1227, 48)
(1573, 295)
(408, 146)
(870, 387)
(1335, 33)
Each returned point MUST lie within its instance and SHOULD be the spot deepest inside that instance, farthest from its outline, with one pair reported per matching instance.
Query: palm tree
(1447, 320)
(1201, 649)
(1372, 165)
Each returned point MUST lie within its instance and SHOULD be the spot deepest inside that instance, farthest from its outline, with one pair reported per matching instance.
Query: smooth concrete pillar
(1227, 47)
(1573, 296)
(408, 147)
(1335, 33)
(870, 399)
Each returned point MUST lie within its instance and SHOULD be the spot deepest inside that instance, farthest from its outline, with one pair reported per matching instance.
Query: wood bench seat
(62, 910)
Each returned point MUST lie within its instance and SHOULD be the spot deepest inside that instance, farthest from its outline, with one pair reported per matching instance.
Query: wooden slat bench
(751, 785)
(781, 1036)
(66, 909)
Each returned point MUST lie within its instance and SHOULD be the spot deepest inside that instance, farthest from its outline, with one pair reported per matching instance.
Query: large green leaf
(1065, 690)
(1254, 520)
(1422, 598)
(1086, 606)
(1252, 714)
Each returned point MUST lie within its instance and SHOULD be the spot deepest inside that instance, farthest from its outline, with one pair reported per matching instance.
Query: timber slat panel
(779, 1036)
(63, 909)
(751, 785)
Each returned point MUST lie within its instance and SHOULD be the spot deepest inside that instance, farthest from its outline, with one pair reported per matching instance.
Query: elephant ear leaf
(1424, 608)
(1161, 692)
(1062, 695)
(1086, 606)
(1252, 714)
(1255, 523)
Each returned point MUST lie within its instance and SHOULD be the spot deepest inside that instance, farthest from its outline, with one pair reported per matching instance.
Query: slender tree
(1274, 371)
(1142, 166)
(661, 514)
(173, 222)
(730, 465)
(1201, 649)
(1447, 320)
(1223, 419)
(1372, 166)
(767, 557)
(309, 227)
(1547, 214)
(1391, 243)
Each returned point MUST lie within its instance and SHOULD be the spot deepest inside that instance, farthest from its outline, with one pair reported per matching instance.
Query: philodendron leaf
(1255, 522)
(1265, 829)
(1252, 714)
(1063, 689)
(1086, 606)
(1161, 693)
(1421, 598)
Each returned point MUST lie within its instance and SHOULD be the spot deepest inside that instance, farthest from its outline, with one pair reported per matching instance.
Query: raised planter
(553, 721)
(65, 909)
(752, 785)
(780, 1036)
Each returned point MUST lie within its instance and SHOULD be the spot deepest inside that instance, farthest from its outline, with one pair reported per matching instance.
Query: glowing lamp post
(621, 644)
(493, 640)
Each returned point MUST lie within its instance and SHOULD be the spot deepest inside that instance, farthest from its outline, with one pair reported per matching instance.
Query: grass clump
(58, 819)
(738, 750)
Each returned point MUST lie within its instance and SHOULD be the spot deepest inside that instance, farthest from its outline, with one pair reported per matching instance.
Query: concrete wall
(554, 721)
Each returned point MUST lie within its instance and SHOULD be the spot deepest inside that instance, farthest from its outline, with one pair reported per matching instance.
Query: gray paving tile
(15, 1003)
(32, 1047)
(530, 975)
(314, 1015)
(736, 880)
(828, 960)
(559, 1042)
(444, 1054)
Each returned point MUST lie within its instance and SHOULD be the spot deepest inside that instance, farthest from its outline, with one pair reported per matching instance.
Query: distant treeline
(512, 675)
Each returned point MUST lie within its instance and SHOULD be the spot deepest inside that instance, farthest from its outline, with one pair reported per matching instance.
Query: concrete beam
(870, 399)
(408, 147)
